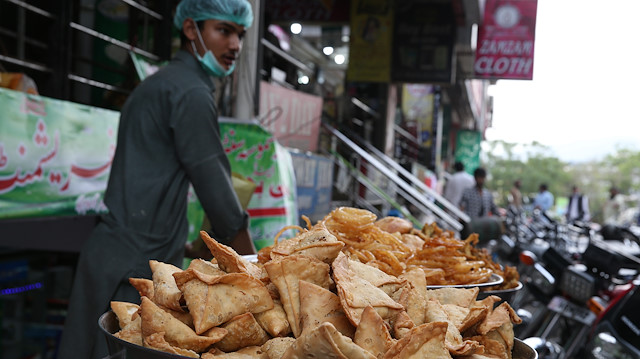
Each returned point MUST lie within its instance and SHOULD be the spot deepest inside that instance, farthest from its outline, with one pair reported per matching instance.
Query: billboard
(506, 40)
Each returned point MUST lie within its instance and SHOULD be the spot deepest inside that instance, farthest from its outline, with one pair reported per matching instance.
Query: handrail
(455, 210)
(428, 205)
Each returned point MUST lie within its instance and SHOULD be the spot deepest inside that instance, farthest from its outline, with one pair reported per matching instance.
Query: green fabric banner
(254, 153)
(55, 156)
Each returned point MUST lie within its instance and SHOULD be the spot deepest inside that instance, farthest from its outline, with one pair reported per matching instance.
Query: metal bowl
(504, 294)
(119, 348)
(523, 351)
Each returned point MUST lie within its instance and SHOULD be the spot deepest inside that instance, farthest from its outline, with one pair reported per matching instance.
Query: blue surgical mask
(209, 62)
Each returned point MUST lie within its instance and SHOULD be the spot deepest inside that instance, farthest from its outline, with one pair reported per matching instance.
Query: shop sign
(417, 105)
(370, 41)
(506, 40)
(292, 117)
(468, 149)
(423, 40)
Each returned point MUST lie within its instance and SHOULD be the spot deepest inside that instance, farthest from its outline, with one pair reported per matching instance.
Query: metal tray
(495, 279)
(119, 348)
(523, 351)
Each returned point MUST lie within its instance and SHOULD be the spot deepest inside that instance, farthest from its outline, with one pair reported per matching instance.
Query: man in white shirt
(457, 184)
(614, 207)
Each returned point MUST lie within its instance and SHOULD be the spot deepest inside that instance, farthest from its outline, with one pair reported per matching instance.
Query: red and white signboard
(292, 117)
(506, 40)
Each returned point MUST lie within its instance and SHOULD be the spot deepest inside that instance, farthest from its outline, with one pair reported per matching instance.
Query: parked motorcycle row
(580, 296)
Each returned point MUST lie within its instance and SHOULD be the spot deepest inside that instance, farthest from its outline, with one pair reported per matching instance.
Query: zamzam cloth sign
(506, 40)
(292, 117)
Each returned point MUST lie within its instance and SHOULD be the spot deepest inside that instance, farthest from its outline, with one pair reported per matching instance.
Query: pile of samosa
(307, 299)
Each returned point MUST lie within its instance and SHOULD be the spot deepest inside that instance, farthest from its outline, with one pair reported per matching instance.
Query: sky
(584, 99)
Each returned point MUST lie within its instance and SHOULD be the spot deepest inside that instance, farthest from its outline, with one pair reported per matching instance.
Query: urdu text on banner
(506, 40)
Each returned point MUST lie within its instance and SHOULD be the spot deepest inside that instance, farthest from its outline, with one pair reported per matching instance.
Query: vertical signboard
(506, 40)
(423, 40)
(468, 149)
(417, 105)
(371, 36)
(292, 117)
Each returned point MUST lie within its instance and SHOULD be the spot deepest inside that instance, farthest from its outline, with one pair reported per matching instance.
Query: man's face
(224, 39)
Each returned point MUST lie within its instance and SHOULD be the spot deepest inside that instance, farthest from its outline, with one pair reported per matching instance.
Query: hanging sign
(506, 40)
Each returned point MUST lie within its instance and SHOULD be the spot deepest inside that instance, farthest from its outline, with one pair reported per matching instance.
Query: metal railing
(412, 189)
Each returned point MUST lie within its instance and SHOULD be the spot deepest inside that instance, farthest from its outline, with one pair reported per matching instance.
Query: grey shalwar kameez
(168, 137)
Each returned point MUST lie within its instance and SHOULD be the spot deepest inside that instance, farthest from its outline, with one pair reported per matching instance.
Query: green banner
(468, 149)
(55, 156)
(254, 153)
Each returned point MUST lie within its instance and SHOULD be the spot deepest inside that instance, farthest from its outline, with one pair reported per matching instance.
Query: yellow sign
(371, 40)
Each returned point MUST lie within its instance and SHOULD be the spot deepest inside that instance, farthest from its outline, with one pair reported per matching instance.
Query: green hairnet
(238, 11)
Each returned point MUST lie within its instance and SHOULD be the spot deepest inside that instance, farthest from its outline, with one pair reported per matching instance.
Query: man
(476, 201)
(613, 208)
(578, 208)
(457, 183)
(544, 199)
(516, 196)
(168, 137)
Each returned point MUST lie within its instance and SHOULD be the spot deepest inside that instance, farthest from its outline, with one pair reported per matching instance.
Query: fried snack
(453, 339)
(394, 224)
(156, 341)
(206, 267)
(165, 290)
(509, 274)
(275, 348)
(356, 293)
(325, 341)
(274, 320)
(316, 243)
(417, 301)
(372, 334)
(126, 312)
(424, 341)
(462, 297)
(176, 333)
(228, 259)
(213, 300)
(388, 283)
(401, 325)
(242, 331)
(143, 286)
(244, 353)
(129, 321)
(285, 273)
(319, 305)
(394, 247)
(132, 333)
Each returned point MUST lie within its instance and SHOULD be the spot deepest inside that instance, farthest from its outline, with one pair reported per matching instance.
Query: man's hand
(242, 242)
(197, 249)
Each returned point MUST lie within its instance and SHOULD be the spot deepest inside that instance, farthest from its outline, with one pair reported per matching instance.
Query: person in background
(516, 196)
(613, 207)
(578, 208)
(168, 137)
(457, 184)
(477, 201)
(544, 199)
